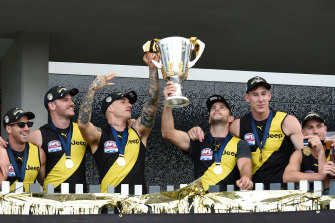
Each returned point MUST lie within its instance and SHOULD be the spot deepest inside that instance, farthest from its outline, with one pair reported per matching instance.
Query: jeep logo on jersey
(110, 147)
(134, 141)
(11, 172)
(33, 168)
(54, 146)
(278, 136)
(250, 138)
(206, 154)
(82, 143)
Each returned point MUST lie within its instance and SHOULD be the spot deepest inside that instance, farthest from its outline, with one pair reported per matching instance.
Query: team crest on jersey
(11, 172)
(54, 146)
(206, 154)
(110, 147)
(250, 138)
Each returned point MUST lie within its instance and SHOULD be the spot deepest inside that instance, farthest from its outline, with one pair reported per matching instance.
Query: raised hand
(148, 57)
(101, 81)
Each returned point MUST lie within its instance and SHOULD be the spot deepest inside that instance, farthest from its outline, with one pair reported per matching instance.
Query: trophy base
(176, 102)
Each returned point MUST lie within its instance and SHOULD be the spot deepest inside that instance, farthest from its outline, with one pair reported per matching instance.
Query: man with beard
(27, 161)
(220, 159)
(61, 141)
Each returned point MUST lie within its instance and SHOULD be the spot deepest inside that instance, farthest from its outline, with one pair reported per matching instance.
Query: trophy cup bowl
(175, 62)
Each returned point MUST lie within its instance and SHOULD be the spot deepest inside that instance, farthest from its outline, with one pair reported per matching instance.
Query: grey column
(24, 74)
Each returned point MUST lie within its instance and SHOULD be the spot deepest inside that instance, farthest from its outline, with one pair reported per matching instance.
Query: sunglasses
(23, 124)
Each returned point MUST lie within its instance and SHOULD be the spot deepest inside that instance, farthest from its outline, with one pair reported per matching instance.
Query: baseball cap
(109, 99)
(58, 92)
(15, 114)
(216, 98)
(257, 81)
(312, 115)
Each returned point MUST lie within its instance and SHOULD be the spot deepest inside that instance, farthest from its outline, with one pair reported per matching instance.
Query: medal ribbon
(218, 154)
(19, 174)
(120, 145)
(266, 132)
(65, 145)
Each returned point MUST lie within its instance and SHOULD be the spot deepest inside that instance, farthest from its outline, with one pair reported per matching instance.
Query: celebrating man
(221, 158)
(27, 161)
(118, 150)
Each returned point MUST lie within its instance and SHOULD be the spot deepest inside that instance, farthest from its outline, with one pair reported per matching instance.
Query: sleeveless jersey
(56, 172)
(113, 174)
(32, 168)
(204, 163)
(276, 152)
(309, 164)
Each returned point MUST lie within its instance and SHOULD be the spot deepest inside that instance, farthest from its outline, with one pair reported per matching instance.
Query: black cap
(216, 98)
(312, 115)
(15, 114)
(58, 92)
(257, 81)
(109, 99)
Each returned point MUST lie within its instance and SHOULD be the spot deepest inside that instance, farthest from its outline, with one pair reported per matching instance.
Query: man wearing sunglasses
(61, 141)
(27, 161)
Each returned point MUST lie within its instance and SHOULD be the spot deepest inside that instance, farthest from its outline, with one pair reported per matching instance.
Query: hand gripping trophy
(175, 62)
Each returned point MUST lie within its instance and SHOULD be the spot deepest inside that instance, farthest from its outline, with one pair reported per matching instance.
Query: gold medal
(261, 156)
(307, 151)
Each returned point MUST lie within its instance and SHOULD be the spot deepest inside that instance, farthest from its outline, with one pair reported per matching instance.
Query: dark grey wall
(166, 164)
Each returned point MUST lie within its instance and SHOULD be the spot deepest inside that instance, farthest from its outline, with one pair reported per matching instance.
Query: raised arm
(176, 137)
(145, 122)
(91, 133)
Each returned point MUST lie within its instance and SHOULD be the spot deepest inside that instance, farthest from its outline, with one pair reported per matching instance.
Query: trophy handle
(157, 64)
(201, 48)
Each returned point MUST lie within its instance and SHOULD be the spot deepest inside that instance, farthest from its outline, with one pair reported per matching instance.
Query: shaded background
(165, 164)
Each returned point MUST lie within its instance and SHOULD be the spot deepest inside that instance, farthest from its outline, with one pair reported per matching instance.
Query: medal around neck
(218, 169)
(68, 163)
(260, 156)
(121, 161)
(307, 151)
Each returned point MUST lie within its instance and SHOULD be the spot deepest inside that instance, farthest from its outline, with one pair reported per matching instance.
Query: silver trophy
(175, 62)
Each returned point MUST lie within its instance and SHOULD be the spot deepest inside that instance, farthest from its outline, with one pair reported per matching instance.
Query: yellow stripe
(116, 173)
(33, 161)
(60, 173)
(272, 144)
(228, 163)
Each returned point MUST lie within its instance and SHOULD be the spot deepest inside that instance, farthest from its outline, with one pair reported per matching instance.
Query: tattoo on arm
(150, 107)
(85, 110)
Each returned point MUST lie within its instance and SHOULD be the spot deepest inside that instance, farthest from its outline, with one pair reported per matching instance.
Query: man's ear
(8, 129)
(52, 106)
(246, 97)
(231, 118)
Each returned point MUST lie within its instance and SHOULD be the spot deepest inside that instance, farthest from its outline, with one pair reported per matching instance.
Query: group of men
(263, 146)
